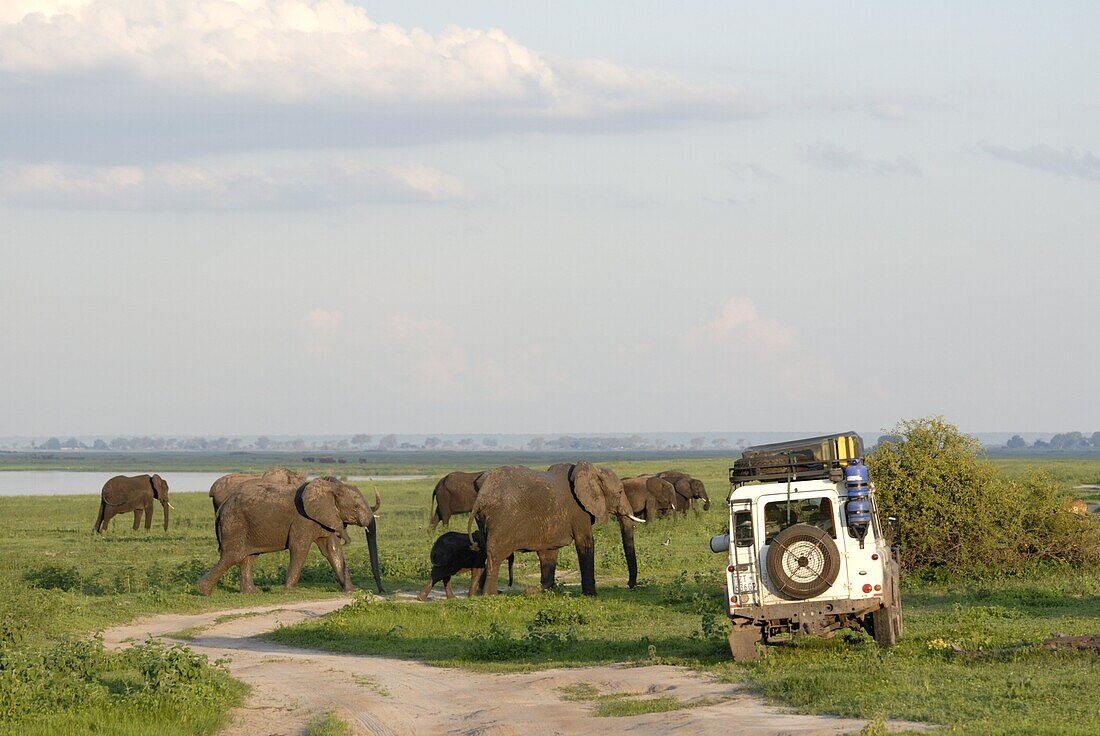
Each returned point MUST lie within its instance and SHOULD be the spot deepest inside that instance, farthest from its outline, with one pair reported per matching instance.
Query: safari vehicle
(809, 555)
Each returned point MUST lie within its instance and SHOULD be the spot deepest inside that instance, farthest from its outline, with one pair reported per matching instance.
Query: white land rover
(809, 556)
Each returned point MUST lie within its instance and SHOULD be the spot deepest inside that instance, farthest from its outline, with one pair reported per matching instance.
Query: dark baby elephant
(271, 518)
(454, 552)
(455, 493)
(524, 510)
(123, 494)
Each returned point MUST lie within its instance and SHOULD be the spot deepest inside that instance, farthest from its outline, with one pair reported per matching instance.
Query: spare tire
(802, 562)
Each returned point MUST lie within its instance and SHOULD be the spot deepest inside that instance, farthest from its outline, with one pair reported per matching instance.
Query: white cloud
(294, 72)
(322, 322)
(831, 157)
(739, 321)
(221, 186)
(1068, 163)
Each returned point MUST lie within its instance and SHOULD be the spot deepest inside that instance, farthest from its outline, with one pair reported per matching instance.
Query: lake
(64, 482)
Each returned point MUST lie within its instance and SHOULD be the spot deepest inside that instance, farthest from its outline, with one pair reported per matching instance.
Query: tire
(746, 641)
(885, 626)
(802, 562)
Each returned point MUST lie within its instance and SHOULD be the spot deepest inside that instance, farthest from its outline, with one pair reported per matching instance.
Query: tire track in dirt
(383, 695)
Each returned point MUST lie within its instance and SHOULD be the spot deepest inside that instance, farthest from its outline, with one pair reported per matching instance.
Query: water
(64, 482)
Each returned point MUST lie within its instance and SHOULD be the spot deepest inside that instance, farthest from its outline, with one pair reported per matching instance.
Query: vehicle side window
(778, 515)
(742, 528)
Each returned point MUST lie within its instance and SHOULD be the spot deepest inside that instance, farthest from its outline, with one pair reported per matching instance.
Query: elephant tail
(470, 524)
(102, 511)
(218, 530)
(433, 507)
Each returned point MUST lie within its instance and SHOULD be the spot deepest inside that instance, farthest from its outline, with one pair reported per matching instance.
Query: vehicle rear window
(778, 515)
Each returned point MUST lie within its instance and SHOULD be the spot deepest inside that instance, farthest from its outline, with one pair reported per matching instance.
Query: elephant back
(122, 490)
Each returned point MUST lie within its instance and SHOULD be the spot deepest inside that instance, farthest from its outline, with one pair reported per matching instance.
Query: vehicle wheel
(802, 562)
(746, 641)
(885, 626)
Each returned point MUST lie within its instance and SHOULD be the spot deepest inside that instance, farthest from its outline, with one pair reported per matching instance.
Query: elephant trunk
(372, 547)
(164, 503)
(626, 527)
(706, 501)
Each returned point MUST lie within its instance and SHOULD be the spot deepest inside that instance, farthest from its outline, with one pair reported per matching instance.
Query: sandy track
(381, 695)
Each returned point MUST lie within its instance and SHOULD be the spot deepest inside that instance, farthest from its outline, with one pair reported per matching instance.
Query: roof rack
(806, 459)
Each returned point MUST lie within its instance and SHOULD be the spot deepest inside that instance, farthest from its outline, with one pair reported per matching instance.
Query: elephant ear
(319, 504)
(588, 488)
(154, 482)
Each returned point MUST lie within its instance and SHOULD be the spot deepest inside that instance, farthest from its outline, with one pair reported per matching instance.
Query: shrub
(958, 512)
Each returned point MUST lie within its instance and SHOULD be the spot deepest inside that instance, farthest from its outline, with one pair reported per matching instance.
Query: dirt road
(380, 695)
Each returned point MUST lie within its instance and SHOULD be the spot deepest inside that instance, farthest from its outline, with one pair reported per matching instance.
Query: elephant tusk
(170, 505)
(635, 518)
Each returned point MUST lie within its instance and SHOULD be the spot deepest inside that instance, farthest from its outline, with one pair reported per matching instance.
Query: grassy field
(60, 579)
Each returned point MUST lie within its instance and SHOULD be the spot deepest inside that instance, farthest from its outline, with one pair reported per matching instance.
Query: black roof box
(813, 457)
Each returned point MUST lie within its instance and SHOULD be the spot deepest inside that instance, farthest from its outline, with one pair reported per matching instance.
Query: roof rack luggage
(814, 457)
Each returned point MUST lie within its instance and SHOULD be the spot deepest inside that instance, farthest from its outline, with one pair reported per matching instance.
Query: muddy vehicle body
(807, 552)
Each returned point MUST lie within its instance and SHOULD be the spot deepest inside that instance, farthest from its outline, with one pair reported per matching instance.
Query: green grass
(59, 578)
(327, 725)
(618, 705)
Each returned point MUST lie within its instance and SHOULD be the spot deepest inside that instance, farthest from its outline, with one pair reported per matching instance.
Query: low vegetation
(61, 583)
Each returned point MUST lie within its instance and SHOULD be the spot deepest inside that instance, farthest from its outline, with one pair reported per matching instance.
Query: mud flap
(746, 642)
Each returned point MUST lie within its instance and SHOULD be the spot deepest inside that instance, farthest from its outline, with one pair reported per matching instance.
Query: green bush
(958, 512)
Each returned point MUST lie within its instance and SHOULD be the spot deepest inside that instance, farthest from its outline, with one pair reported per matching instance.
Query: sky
(324, 217)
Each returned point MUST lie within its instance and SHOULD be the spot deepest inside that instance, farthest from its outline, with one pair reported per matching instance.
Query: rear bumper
(806, 611)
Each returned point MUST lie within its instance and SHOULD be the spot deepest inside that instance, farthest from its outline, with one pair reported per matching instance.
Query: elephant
(687, 489)
(132, 493)
(453, 494)
(227, 485)
(523, 510)
(650, 495)
(274, 517)
(454, 552)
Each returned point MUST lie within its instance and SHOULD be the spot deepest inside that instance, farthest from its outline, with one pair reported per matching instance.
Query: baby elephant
(452, 554)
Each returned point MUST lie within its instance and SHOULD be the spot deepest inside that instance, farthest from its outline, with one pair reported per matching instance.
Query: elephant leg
(247, 586)
(297, 562)
(548, 565)
(209, 580)
(447, 587)
(475, 578)
(423, 595)
(108, 514)
(491, 577)
(586, 559)
(626, 531)
(148, 516)
(330, 548)
(137, 519)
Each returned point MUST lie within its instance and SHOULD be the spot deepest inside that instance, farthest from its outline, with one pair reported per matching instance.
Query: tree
(1016, 443)
(361, 440)
(99, 445)
(536, 444)
(489, 442)
(51, 444)
(432, 443)
(389, 442)
(697, 442)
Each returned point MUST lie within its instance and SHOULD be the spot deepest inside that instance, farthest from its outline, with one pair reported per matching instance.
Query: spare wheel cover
(802, 562)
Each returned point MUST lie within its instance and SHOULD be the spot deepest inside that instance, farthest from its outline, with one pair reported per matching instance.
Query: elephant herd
(515, 509)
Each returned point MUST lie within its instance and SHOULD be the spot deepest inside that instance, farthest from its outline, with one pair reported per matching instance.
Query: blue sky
(312, 217)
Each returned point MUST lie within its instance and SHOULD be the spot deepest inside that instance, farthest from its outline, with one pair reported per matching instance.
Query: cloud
(322, 322)
(739, 321)
(204, 75)
(221, 186)
(1069, 163)
(831, 157)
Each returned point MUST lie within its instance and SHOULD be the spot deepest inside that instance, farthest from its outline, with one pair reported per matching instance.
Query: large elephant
(271, 518)
(650, 495)
(523, 510)
(687, 489)
(455, 493)
(227, 485)
(132, 493)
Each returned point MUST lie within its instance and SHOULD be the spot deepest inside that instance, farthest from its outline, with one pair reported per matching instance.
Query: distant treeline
(1061, 442)
(386, 443)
